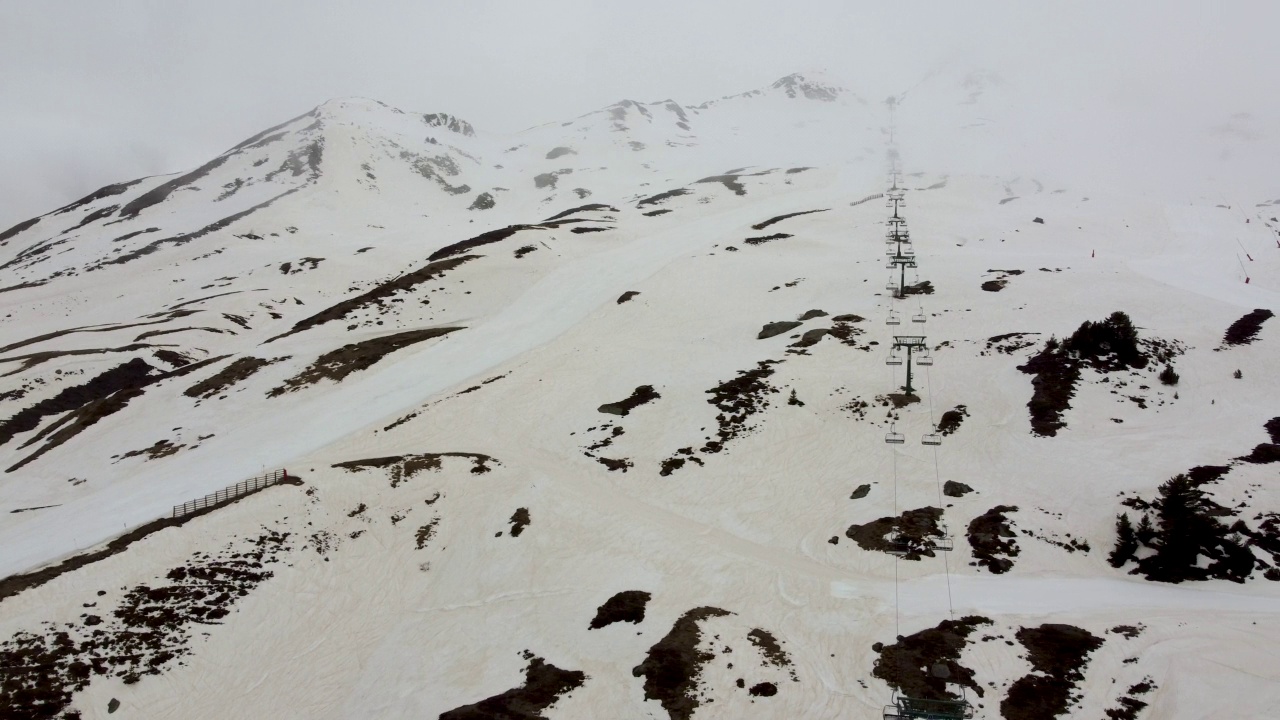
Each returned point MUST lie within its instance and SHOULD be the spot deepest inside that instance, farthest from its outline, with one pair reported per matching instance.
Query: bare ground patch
(338, 364)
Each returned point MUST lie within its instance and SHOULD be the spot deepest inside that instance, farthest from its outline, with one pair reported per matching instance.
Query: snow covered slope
(591, 421)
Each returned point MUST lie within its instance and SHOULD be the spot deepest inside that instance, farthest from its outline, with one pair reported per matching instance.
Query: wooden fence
(230, 493)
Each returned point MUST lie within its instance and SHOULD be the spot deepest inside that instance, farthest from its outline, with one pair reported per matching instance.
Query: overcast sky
(98, 92)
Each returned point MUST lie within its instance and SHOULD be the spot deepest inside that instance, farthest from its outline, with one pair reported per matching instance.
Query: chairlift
(893, 359)
(931, 439)
(909, 708)
(918, 317)
(893, 318)
(891, 286)
(924, 359)
(894, 438)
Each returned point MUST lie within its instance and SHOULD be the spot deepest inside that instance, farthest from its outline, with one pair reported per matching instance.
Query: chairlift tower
(902, 262)
(912, 344)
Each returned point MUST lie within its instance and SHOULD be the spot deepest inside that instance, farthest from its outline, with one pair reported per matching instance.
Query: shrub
(1168, 376)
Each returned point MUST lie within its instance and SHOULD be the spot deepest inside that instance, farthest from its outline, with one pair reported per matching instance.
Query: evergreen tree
(1146, 531)
(1188, 528)
(1126, 542)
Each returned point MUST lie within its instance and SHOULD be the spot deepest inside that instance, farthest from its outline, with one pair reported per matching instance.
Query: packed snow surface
(517, 376)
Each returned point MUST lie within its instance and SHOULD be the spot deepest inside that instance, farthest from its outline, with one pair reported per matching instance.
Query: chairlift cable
(937, 476)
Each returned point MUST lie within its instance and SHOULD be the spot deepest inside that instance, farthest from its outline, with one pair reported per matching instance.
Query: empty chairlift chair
(908, 708)
(924, 358)
(894, 438)
(893, 359)
(932, 438)
(893, 318)
(918, 317)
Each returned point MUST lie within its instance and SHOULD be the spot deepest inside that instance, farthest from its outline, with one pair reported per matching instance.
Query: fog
(97, 93)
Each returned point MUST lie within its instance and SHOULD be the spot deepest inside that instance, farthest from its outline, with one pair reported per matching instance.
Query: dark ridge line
(136, 233)
(94, 216)
(30, 360)
(663, 196)
(102, 192)
(17, 583)
(84, 329)
(159, 193)
(581, 208)
(337, 364)
(31, 250)
(188, 237)
(90, 413)
(486, 238)
(387, 289)
(254, 139)
(20, 227)
(71, 398)
(24, 286)
(208, 297)
(157, 333)
(780, 218)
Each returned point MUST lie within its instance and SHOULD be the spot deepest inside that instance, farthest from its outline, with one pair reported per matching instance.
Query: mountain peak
(811, 85)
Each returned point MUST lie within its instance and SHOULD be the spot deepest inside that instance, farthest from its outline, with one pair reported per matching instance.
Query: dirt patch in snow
(130, 375)
(1058, 655)
(626, 606)
(404, 467)
(1246, 329)
(777, 328)
(624, 297)
(150, 628)
(662, 197)
(772, 651)
(519, 521)
(914, 533)
(239, 369)
(921, 665)
(591, 207)
(780, 218)
(762, 239)
(640, 396)
(379, 294)
(338, 364)
(992, 538)
(544, 684)
(951, 419)
(15, 584)
(673, 665)
(111, 397)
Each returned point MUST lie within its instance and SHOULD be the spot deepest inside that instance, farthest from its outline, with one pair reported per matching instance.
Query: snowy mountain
(591, 421)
